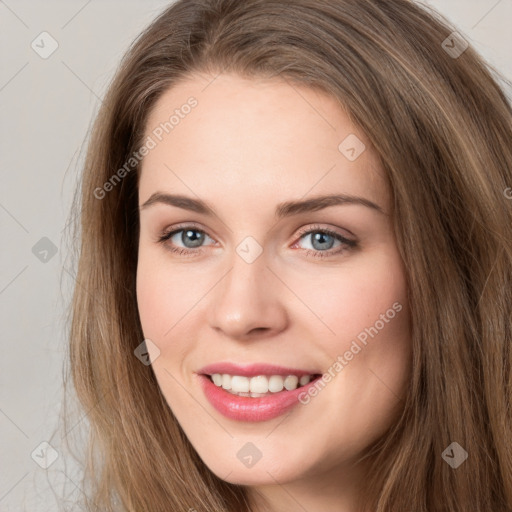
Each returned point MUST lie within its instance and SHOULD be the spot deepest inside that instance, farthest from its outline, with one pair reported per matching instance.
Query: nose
(248, 301)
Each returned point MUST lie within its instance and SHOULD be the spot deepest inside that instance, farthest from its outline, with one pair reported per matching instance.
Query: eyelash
(346, 243)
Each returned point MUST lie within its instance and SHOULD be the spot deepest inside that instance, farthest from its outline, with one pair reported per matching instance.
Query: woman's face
(251, 277)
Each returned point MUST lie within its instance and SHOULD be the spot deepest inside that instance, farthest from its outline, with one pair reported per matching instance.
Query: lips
(253, 409)
(245, 409)
(254, 369)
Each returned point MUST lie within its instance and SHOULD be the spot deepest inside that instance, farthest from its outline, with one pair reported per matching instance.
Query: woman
(294, 284)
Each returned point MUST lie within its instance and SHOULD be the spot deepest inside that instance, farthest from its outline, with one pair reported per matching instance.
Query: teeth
(260, 385)
(240, 384)
(226, 381)
(275, 383)
(305, 380)
(291, 382)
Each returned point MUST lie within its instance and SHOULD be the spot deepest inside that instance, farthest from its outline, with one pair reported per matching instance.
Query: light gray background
(46, 110)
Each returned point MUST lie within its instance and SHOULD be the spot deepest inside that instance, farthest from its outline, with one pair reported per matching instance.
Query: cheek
(153, 298)
(169, 301)
(368, 349)
(360, 296)
(369, 354)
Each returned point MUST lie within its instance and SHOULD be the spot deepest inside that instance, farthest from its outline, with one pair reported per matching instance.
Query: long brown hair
(442, 127)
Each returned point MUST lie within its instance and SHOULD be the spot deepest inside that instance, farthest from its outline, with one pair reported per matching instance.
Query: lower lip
(243, 408)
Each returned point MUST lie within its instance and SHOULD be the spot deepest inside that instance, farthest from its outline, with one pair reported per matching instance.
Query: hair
(442, 128)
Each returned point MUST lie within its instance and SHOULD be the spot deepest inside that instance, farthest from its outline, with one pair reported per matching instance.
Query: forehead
(266, 137)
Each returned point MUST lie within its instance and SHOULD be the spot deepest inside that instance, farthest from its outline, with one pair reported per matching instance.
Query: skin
(246, 147)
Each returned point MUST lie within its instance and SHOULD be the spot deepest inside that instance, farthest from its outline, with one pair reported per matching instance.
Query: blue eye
(191, 237)
(322, 241)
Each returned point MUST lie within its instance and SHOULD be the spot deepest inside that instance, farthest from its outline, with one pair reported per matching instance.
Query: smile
(260, 407)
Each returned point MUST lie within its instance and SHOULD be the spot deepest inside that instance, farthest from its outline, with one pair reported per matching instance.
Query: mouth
(260, 385)
(257, 398)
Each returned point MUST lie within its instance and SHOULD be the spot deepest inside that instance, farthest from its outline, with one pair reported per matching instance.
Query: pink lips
(242, 408)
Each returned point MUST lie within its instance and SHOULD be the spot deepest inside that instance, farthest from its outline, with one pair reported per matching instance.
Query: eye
(322, 241)
(190, 236)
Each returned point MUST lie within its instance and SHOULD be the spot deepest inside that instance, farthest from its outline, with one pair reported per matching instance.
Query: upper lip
(253, 370)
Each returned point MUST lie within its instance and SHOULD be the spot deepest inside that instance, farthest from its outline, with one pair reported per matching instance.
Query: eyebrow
(285, 209)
